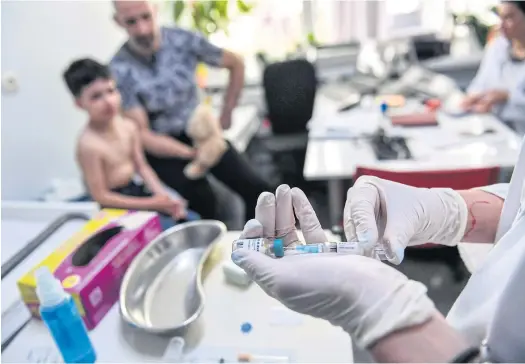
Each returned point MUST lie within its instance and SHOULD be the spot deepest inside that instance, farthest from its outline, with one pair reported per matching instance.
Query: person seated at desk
(499, 85)
(155, 72)
(109, 149)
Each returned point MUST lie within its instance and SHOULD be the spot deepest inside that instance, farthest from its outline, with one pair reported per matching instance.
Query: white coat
(498, 71)
(486, 294)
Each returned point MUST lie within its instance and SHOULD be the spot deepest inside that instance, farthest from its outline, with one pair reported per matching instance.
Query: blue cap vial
(278, 248)
(384, 107)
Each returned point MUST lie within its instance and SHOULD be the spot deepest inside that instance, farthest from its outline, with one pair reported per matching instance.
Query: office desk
(451, 145)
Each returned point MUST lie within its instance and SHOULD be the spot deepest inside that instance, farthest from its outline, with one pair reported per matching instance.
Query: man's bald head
(139, 19)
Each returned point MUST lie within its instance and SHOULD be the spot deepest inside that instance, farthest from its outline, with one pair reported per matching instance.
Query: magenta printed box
(92, 263)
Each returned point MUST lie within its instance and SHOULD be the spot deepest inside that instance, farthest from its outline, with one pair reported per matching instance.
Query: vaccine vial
(344, 247)
(261, 245)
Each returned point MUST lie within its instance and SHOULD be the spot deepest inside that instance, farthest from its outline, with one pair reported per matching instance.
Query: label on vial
(347, 247)
(309, 248)
(251, 244)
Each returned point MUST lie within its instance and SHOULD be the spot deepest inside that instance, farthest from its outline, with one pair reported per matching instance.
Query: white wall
(39, 121)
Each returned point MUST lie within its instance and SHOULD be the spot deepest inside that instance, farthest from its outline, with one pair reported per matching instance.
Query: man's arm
(157, 144)
(92, 167)
(235, 65)
(217, 57)
(484, 211)
(143, 168)
(434, 341)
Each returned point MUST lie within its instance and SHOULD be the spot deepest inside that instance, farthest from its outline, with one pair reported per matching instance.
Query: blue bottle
(61, 316)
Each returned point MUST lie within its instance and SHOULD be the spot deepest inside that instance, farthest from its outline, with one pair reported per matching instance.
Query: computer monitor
(386, 58)
(335, 61)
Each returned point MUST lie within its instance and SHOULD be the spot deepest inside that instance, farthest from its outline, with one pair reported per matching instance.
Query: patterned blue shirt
(164, 85)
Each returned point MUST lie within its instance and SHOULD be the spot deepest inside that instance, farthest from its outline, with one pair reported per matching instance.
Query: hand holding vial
(275, 217)
(273, 231)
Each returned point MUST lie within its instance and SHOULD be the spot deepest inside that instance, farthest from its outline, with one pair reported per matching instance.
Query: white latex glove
(379, 210)
(275, 217)
(365, 297)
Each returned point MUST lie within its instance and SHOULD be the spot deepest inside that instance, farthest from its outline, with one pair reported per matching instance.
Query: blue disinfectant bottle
(384, 120)
(61, 316)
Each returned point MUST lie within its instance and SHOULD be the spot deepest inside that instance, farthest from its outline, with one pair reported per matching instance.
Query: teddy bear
(206, 132)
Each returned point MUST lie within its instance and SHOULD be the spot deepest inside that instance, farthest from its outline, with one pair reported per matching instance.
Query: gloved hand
(275, 217)
(379, 210)
(363, 296)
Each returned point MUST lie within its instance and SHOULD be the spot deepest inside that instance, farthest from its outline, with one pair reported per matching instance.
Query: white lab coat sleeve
(490, 63)
(514, 108)
(500, 189)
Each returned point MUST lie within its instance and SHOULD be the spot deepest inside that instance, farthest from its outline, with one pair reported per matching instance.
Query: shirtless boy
(109, 150)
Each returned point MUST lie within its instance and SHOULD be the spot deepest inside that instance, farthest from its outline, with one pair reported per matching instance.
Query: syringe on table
(276, 248)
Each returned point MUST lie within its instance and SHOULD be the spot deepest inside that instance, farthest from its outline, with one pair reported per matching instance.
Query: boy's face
(101, 100)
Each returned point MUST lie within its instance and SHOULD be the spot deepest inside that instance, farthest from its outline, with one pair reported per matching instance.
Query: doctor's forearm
(484, 210)
(434, 341)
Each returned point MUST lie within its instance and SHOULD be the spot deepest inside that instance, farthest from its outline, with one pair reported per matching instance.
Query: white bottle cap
(48, 289)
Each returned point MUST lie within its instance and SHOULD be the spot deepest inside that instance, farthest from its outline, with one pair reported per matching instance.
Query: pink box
(92, 263)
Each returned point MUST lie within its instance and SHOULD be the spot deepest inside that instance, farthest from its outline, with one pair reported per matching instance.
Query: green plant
(477, 23)
(209, 17)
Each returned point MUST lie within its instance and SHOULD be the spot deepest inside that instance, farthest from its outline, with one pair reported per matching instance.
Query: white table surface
(226, 308)
(447, 146)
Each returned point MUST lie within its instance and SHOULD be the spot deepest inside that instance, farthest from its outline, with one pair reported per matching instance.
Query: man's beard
(145, 41)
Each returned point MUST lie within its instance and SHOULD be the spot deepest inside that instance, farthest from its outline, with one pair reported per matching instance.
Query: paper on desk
(345, 125)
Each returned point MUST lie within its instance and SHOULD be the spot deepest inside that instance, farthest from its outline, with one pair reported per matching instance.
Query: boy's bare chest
(118, 149)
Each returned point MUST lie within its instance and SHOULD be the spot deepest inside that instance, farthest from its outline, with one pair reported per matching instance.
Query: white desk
(447, 146)
(226, 308)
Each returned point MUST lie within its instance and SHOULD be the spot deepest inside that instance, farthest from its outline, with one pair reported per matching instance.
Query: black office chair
(289, 89)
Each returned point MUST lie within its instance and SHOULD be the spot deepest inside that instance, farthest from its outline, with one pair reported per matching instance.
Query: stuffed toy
(206, 132)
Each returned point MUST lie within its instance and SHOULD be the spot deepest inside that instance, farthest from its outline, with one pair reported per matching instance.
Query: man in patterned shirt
(155, 73)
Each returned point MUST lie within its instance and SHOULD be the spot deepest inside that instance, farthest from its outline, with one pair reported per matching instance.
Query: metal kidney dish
(161, 292)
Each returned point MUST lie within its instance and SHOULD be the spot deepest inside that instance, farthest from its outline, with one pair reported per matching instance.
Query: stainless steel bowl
(162, 292)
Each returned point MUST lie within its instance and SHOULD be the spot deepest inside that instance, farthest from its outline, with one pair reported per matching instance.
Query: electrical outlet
(9, 82)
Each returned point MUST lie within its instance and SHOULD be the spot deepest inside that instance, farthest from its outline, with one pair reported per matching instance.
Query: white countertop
(451, 145)
(227, 307)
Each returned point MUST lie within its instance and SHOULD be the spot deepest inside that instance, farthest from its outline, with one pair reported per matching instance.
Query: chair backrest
(457, 179)
(289, 89)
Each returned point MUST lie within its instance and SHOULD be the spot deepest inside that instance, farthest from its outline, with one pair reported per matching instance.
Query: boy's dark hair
(83, 72)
